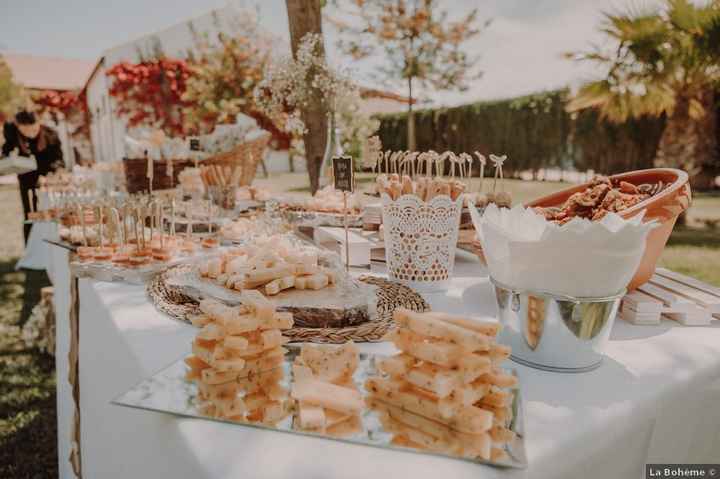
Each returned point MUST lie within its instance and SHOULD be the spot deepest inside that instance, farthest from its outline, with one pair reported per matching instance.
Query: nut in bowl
(668, 196)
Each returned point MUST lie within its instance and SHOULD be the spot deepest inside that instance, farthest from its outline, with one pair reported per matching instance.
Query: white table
(37, 252)
(655, 399)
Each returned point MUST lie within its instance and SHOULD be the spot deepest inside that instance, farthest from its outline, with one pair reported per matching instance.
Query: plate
(169, 392)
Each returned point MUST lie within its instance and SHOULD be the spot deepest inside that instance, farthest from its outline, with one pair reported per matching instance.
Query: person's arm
(56, 156)
(54, 151)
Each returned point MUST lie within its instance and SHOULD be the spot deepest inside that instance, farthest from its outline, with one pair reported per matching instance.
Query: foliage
(612, 147)
(12, 95)
(655, 58)
(291, 84)
(150, 93)
(224, 75)
(663, 62)
(61, 101)
(356, 126)
(535, 131)
(418, 40)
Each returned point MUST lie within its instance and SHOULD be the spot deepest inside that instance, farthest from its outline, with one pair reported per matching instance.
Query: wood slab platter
(347, 303)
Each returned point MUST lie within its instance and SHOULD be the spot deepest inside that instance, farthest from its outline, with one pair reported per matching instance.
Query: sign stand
(194, 147)
(343, 178)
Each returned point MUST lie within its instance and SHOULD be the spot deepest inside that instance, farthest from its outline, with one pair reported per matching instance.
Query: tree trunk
(304, 17)
(690, 143)
(411, 141)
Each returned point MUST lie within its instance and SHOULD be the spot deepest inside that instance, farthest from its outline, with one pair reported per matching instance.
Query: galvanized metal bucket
(555, 332)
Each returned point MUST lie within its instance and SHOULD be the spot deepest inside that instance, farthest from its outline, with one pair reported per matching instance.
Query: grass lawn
(27, 380)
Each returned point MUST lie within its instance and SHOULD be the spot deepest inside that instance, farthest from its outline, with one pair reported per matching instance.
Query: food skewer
(81, 216)
(188, 229)
(172, 218)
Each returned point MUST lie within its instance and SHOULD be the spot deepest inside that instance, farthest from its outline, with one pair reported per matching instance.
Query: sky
(520, 52)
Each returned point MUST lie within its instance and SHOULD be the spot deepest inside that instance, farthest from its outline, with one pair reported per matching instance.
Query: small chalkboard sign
(343, 173)
(194, 143)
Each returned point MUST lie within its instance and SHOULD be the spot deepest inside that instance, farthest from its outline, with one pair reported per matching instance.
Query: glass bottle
(333, 148)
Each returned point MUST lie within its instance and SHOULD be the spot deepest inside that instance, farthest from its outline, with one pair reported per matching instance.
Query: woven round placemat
(390, 295)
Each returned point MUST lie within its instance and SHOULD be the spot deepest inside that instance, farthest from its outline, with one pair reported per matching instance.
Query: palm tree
(664, 62)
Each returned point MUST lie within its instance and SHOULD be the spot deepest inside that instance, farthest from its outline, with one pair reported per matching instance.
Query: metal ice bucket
(554, 332)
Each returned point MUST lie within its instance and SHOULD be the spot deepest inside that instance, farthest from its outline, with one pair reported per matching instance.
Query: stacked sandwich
(237, 360)
(445, 391)
(327, 399)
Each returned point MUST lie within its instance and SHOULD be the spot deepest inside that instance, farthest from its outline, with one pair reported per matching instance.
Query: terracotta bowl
(665, 207)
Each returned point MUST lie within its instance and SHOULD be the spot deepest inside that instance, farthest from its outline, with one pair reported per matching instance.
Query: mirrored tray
(169, 392)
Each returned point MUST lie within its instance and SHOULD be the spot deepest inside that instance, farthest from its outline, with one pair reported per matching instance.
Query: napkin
(581, 258)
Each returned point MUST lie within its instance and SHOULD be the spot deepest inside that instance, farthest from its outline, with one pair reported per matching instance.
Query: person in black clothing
(29, 137)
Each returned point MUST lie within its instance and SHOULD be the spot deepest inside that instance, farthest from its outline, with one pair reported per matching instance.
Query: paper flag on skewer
(483, 162)
(498, 162)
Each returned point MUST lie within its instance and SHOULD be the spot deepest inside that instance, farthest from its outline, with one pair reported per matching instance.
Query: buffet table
(37, 252)
(654, 399)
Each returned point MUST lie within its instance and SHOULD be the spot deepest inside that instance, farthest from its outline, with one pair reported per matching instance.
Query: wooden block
(706, 300)
(695, 283)
(672, 300)
(642, 302)
(334, 239)
(700, 318)
(630, 315)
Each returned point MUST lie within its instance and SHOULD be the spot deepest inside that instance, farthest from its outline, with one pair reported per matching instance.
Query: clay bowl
(665, 207)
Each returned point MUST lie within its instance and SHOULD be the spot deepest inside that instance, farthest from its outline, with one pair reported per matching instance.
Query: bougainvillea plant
(150, 93)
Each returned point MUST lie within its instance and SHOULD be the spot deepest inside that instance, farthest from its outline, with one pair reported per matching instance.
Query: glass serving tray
(169, 392)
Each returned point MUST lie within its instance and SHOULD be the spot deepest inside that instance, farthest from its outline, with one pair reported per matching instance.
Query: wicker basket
(245, 156)
(136, 174)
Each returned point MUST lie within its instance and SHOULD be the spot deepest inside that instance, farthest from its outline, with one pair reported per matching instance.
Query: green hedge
(534, 131)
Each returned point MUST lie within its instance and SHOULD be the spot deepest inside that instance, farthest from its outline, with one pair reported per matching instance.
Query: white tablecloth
(37, 251)
(654, 399)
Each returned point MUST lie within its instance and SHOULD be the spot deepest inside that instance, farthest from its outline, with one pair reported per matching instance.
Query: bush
(534, 131)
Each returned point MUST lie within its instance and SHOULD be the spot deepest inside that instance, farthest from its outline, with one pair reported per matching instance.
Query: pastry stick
(209, 217)
(161, 222)
(498, 161)
(124, 224)
(115, 216)
(151, 207)
(136, 221)
(482, 161)
(172, 218)
(188, 228)
(99, 218)
(81, 215)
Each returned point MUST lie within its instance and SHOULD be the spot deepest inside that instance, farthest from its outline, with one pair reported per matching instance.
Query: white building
(39, 74)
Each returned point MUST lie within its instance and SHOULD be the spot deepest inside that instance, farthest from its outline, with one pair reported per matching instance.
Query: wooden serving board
(349, 302)
(674, 296)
